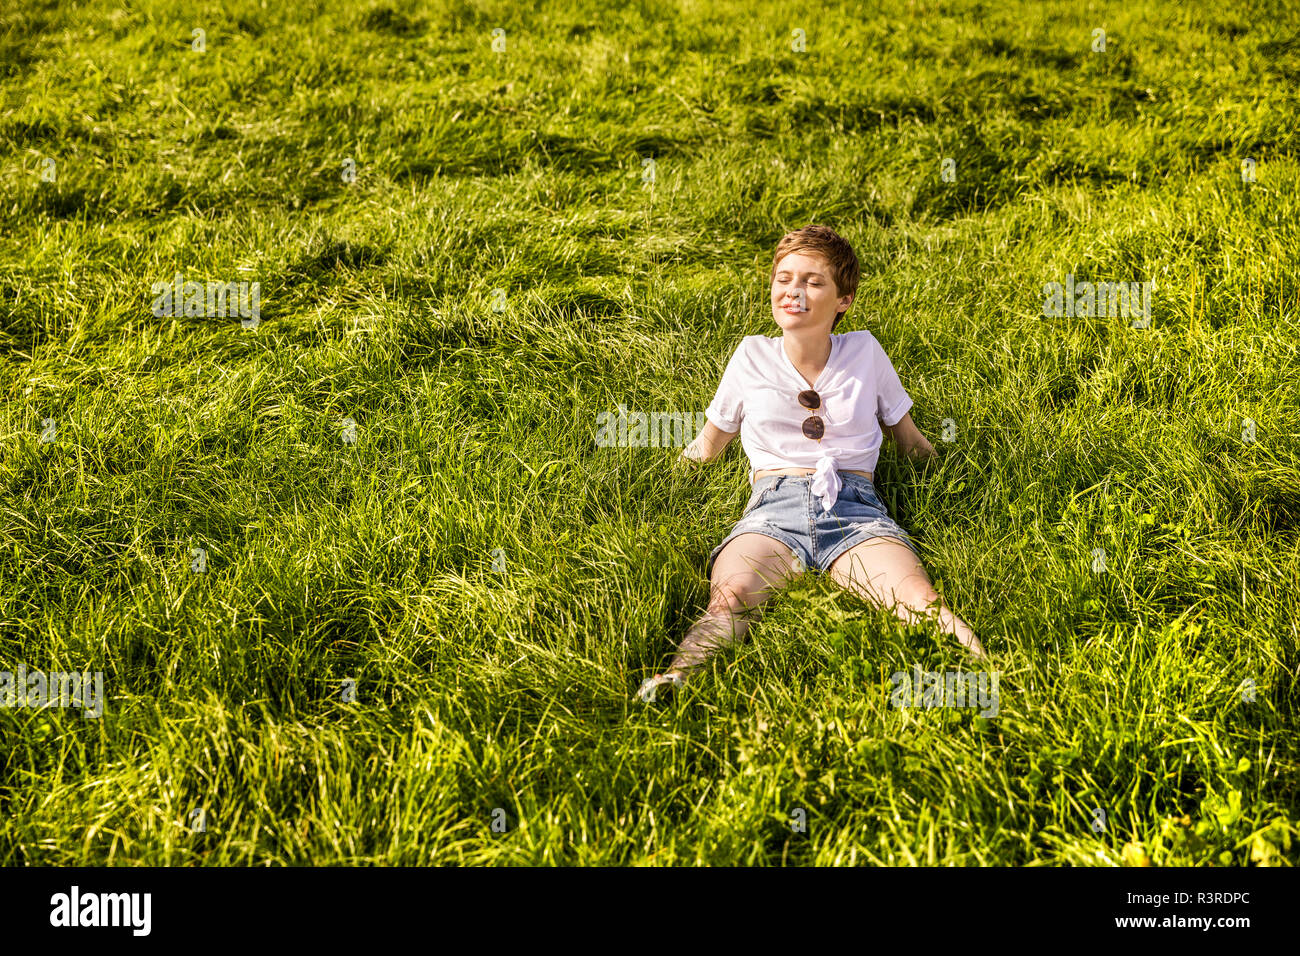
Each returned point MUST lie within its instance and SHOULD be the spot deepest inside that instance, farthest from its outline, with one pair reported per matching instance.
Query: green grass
(478, 691)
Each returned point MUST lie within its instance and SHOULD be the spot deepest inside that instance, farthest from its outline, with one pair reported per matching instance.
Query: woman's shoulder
(861, 340)
(758, 344)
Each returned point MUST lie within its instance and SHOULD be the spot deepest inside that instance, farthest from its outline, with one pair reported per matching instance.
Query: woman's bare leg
(749, 570)
(885, 572)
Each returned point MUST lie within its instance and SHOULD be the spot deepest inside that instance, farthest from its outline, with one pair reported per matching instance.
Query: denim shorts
(783, 507)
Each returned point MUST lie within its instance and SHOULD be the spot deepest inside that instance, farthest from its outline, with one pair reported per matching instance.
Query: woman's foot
(670, 680)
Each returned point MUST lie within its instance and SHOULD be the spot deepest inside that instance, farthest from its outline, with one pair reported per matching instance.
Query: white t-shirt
(759, 395)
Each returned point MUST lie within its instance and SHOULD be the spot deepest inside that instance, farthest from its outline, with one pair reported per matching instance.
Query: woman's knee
(916, 591)
(887, 575)
(735, 594)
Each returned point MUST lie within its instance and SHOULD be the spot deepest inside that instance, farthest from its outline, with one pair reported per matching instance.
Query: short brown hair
(831, 246)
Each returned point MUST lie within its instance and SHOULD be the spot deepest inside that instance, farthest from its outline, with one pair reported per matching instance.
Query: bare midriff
(802, 471)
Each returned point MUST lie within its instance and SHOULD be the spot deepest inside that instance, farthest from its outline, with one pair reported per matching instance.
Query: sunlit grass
(492, 721)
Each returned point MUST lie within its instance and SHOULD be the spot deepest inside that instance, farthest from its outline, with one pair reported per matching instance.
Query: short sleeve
(892, 400)
(728, 407)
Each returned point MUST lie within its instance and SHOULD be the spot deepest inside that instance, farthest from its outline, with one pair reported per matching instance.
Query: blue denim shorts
(783, 507)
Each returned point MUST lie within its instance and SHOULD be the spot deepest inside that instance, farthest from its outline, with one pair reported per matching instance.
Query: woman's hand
(688, 462)
(708, 445)
(911, 443)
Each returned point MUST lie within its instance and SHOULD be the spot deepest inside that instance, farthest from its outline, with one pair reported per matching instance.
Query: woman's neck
(812, 351)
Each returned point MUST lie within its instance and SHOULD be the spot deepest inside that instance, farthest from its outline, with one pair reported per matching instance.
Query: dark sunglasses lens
(813, 427)
(810, 399)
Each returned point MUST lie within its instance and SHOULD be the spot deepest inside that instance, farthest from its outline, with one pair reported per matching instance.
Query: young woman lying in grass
(812, 408)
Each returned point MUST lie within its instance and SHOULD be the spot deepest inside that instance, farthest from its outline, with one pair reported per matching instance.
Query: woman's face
(803, 294)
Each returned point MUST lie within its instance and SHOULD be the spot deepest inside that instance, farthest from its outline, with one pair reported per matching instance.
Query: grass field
(364, 589)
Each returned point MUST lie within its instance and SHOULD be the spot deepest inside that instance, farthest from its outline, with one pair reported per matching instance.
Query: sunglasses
(813, 426)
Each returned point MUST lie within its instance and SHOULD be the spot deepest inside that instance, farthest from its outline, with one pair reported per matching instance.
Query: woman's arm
(908, 437)
(708, 445)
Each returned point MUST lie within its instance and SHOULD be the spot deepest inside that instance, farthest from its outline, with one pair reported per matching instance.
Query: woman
(809, 406)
